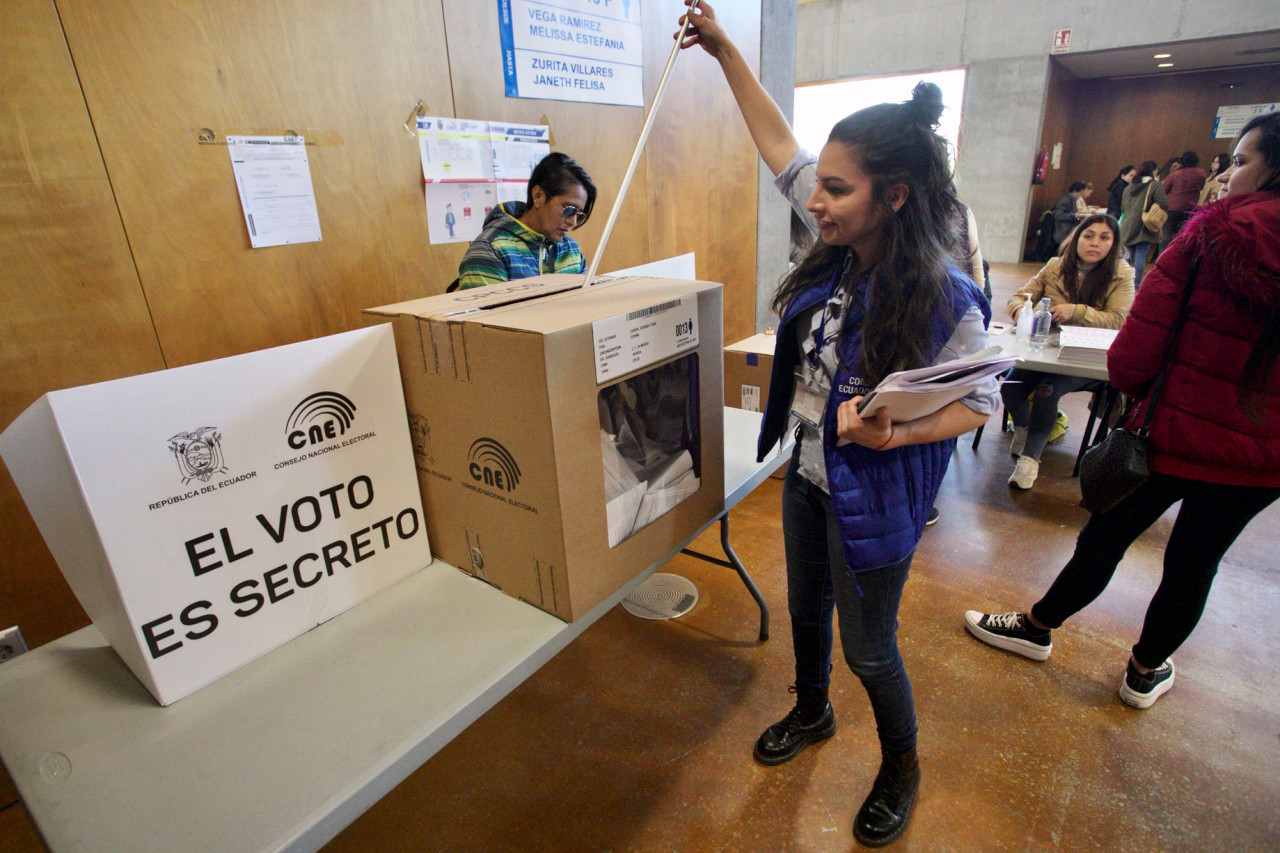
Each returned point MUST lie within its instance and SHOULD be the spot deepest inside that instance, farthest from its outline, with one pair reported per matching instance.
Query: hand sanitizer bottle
(1022, 331)
(1040, 325)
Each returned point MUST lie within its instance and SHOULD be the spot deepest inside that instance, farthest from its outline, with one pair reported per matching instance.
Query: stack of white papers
(632, 503)
(1085, 345)
(912, 394)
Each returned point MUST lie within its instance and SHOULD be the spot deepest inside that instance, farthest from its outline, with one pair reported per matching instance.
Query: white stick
(635, 157)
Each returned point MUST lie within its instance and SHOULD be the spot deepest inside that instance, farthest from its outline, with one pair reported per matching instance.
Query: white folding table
(1046, 360)
(285, 752)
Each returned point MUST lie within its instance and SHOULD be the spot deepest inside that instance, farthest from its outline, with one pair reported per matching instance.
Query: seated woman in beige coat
(1089, 285)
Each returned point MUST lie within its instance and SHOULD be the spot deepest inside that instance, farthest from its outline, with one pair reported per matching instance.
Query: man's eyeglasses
(569, 213)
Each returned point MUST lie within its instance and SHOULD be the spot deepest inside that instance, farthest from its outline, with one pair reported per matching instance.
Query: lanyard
(820, 338)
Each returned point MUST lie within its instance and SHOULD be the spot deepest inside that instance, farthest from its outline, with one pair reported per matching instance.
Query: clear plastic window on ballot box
(650, 442)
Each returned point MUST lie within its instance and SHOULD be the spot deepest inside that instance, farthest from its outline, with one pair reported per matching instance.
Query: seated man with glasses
(523, 239)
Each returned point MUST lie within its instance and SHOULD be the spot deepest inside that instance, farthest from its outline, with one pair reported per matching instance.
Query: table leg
(1096, 429)
(734, 563)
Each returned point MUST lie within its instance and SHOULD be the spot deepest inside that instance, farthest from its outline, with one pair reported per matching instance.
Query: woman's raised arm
(768, 126)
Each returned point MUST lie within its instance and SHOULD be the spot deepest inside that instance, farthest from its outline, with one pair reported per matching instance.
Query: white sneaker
(1025, 472)
(1142, 691)
(1019, 441)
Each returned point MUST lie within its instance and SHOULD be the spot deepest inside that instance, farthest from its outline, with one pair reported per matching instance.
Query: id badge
(810, 400)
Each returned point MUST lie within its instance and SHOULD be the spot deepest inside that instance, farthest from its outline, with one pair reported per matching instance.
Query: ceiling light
(1164, 65)
(1163, 55)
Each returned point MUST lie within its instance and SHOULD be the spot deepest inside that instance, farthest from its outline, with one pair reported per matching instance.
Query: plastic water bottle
(1022, 331)
(1040, 325)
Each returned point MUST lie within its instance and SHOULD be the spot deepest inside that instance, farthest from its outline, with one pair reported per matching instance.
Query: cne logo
(492, 464)
(319, 417)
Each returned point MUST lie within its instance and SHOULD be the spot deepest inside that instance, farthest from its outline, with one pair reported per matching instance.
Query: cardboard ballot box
(565, 438)
(748, 364)
(206, 514)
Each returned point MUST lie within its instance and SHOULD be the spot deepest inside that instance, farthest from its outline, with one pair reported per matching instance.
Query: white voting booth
(206, 514)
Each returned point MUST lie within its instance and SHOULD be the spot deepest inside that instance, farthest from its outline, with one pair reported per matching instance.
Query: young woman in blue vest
(878, 292)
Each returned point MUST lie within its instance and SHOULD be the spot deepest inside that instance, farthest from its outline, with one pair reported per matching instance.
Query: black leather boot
(884, 814)
(810, 721)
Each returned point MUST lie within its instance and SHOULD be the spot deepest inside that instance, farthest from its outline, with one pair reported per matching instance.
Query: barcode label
(654, 309)
(635, 339)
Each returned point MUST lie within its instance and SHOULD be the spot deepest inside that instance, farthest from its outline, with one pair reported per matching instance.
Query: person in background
(523, 239)
(1215, 431)
(1082, 201)
(1182, 188)
(1066, 212)
(1139, 196)
(879, 292)
(1115, 191)
(1212, 186)
(1089, 285)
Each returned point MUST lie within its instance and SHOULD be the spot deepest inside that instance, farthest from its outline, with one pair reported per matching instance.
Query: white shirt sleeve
(970, 337)
(796, 183)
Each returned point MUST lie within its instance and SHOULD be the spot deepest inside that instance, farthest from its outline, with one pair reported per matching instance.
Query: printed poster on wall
(573, 50)
(273, 178)
(456, 211)
(1229, 120)
(470, 166)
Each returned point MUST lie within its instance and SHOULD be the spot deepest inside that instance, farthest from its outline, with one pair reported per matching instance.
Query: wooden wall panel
(150, 70)
(1155, 118)
(702, 163)
(71, 309)
(1105, 124)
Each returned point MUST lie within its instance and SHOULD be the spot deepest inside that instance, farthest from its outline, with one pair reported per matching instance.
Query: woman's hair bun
(926, 104)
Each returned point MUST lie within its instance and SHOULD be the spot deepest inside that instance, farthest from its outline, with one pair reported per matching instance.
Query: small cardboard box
(748, 364)
(510, 388)
(206, 514)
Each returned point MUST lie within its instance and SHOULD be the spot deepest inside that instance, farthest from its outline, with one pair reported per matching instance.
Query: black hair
(1092, 289)
(1268, 127)
(1220, 163)
(896, 145)
(556, 174)
(1076, 186)
(1189, 159)
(1260, 366)
(1146, 170)
(1119, 180)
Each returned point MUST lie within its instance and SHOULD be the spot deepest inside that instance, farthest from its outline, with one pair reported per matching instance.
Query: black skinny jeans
(1210, 519)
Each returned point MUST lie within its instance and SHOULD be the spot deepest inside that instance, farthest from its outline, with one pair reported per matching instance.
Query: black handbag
(1116, 467)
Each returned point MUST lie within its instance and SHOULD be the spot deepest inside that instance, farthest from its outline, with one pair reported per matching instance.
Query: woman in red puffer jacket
(1215, 431)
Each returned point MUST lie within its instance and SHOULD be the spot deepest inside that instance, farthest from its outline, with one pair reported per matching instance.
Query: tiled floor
(638, 736)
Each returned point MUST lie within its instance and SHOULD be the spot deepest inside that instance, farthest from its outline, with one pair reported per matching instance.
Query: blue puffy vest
(881, 498)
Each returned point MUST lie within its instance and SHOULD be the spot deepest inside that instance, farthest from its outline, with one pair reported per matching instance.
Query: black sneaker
(1142, 691)
(1011, 632)
(933, 516)
(783, 741)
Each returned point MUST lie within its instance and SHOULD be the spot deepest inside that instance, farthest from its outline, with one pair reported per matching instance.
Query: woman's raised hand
(703, 30)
